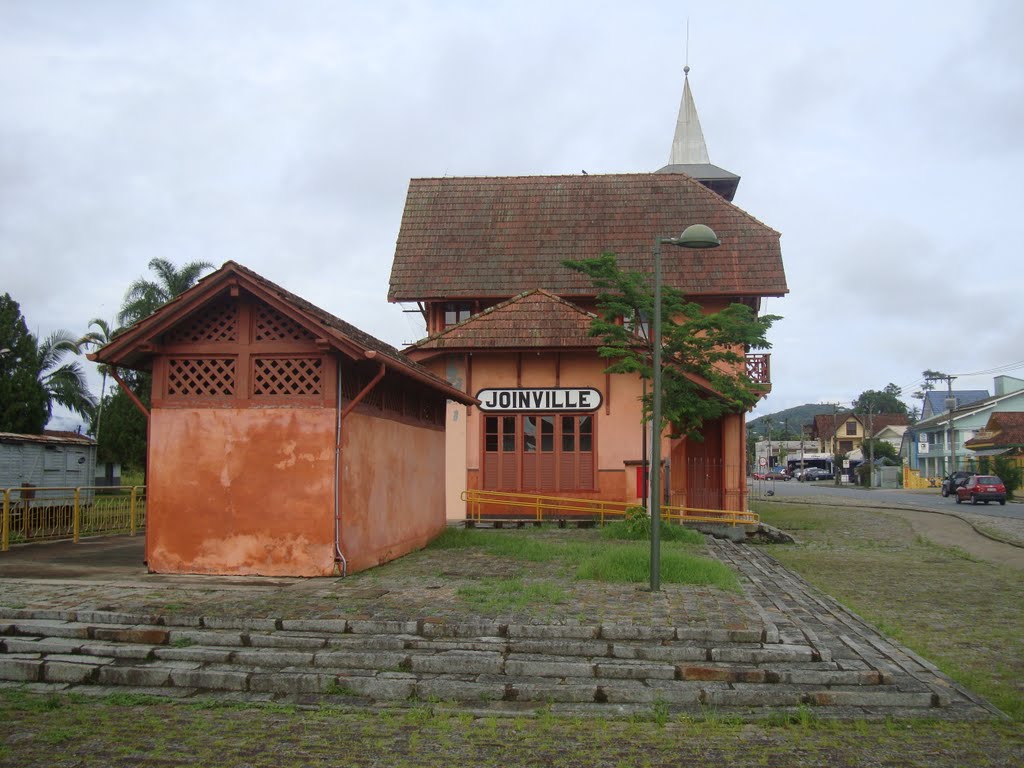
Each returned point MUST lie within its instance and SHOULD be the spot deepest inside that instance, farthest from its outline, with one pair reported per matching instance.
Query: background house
(282, 440)
(928, 450)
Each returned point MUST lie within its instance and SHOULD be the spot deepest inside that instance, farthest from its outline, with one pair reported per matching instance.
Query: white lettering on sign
(534, 400)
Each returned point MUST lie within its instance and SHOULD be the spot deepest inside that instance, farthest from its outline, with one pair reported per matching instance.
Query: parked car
(777, 474)
(982, 488)
(954, 480)
(816, 473)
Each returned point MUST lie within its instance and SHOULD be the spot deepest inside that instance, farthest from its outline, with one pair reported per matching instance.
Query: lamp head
(697, 236)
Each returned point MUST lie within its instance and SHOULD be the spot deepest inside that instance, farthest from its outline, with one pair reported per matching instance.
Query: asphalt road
(898, 498)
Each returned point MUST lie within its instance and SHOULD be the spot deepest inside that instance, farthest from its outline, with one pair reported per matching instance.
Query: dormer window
(455, 312)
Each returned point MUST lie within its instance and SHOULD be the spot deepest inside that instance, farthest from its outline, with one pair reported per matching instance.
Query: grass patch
(959, 612)
(622, 531)
(498, 595)
(631, 564)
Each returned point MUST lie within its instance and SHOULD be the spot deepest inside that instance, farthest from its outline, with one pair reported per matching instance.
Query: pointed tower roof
(689, 153)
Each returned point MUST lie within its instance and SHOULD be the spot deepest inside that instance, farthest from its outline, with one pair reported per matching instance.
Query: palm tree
(146, 296)
(95, 339)
(63, 382)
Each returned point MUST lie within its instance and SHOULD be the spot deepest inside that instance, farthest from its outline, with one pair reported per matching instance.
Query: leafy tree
(64, 382)
(708, 346)
(880, 449)
(24, 405)
(123, 440)
(886, 401)
(146, 296)
(94, 339)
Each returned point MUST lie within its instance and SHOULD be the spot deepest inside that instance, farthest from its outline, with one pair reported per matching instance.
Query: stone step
(481, 664)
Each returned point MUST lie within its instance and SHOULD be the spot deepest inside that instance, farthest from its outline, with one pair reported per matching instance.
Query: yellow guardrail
(44, 514)
(538, 508)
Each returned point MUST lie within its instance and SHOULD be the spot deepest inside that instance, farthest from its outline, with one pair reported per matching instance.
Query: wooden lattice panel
(200, 377)
(215, 322)
(290, 376)
(271, 325)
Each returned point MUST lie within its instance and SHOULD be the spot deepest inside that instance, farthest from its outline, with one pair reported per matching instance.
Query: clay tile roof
(1005, 428)
(533, 319)
(880, 421)
(497, 237)
(125, 348)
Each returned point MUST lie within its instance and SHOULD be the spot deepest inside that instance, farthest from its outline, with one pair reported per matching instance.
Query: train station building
(508, 323)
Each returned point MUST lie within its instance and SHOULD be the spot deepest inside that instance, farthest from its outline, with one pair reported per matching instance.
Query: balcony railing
(759, 368)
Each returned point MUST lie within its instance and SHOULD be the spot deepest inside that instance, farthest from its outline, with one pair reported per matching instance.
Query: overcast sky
(882, 139)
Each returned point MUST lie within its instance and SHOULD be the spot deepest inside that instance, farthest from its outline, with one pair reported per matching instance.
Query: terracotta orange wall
(393, 489)
(241, 491)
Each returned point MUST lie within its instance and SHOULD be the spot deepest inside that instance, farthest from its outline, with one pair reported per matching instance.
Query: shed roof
(464, 238)
(137, 345)
(534, 319)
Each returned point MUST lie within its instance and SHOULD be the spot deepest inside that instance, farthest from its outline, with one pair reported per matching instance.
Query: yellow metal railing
(44, 514)
(538, 508)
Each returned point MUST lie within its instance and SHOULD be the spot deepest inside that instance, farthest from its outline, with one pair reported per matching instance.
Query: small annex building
(482, 259)
(282, 440)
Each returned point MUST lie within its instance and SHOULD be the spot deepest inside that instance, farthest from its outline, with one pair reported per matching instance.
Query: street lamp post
(694, 236)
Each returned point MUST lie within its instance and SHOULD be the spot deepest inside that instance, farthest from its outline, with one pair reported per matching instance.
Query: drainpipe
(340, 563)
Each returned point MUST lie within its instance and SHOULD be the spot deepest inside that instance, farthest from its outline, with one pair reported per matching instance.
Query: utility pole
(950, 406)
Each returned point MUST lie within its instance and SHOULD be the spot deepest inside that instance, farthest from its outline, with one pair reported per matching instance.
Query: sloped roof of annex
(136, 345)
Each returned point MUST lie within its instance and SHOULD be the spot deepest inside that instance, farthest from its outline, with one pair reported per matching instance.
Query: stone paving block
(719, 635)
(755, 696)
(725, 674)
(239, 622)
(112, 617)
(147, 635)
(667, 653)
(211, 680)
(636, 632)
(49, 628)
(64, 672)
(22, 667)
(493, 644)
(682, 693)
(41, 645)
(155, 675)
(459, 662)
(205, 637)
(194, 653)
(78, 658)
(383, 687)
(307, 682)
(642, 670)
(375, 627)
(458, 690)
(286, 640)
(829, 677)
(561, 647)
(373, 642)
(549, 631)
(526, 665)
(168, 692)
(383, 660)
(118, 650)
(624, 692)
(870, 698)
(776, 653)
(329, 626)
(442, 628)
(272, 657)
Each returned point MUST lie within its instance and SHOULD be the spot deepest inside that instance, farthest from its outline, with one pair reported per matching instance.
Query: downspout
(340, 563)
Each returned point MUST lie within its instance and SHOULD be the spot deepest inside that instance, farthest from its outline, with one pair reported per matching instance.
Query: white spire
(688, 147)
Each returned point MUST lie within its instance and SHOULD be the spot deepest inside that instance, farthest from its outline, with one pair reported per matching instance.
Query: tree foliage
(24, 405)
(63, 380)
(699, 351)
(144, 296)
(885, 401)
(123, 440)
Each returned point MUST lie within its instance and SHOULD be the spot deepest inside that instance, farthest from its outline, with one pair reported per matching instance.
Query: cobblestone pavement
(774, 605)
